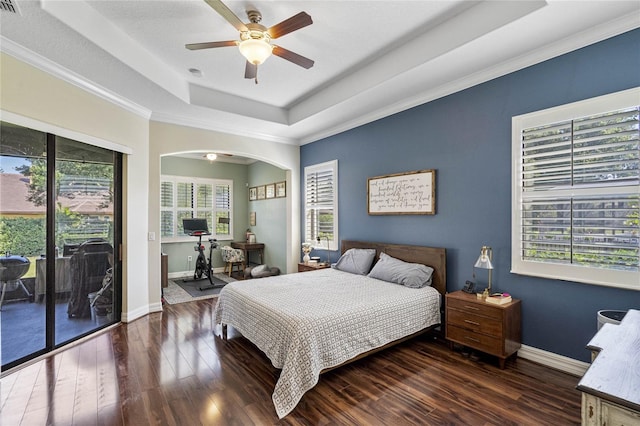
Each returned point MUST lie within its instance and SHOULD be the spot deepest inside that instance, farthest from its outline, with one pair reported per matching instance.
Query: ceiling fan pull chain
(256, 76)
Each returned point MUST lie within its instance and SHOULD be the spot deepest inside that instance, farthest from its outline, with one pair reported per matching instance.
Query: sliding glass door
(23, 235)
(63, 220)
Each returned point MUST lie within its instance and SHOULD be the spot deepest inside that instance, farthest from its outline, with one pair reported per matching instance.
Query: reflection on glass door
(84, 236)
(59, 224)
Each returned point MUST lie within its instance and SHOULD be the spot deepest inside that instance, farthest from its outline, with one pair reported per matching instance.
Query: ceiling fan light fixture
(256, 50)
(211, 156)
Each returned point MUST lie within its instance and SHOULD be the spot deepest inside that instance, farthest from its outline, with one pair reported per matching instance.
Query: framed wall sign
(253, 193)
(262, 192)
(271, 190)
(402, 193)
(281, 189)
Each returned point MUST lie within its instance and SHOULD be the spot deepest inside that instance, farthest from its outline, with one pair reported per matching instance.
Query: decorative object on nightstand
(489, 328)
(306, 249)
(306, 267)
(328, 255)
(499, 298)
(484, 262)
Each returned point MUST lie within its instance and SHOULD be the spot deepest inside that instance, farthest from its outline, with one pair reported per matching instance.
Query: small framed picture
(261, 192)
(253, 193)
(252, 218)
(271, 190)
(281, 189)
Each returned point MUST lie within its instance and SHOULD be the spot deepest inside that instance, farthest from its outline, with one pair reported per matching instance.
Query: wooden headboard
(434, 257)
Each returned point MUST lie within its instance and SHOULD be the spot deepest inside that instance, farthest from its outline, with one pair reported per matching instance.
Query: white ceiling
(372, 58)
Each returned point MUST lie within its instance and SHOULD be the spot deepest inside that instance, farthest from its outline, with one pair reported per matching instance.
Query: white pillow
(414, 275)
(356, 261)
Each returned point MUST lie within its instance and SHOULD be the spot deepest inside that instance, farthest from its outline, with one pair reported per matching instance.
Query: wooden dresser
(611, 386)
(489, 328)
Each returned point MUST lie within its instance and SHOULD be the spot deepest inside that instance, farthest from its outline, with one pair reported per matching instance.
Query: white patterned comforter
(310, 321)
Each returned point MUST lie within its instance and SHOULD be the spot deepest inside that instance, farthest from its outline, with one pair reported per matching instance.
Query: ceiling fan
(255, 39)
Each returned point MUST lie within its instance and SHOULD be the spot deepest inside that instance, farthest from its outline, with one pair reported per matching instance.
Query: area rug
(180, 291)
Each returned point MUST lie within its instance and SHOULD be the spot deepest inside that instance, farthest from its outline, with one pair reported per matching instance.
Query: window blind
(223, 209)
(184, 198)
(166, 209)
(320, 203)
(580, 202)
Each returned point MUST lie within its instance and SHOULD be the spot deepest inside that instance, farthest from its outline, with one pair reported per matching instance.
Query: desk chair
(232, 257)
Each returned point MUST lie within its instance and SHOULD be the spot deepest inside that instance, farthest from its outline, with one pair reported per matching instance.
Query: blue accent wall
(466, 138)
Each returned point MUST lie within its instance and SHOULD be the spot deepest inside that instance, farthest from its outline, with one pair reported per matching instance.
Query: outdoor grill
(12, 268)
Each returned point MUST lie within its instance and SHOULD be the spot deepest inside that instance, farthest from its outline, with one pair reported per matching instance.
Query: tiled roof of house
(14, 190)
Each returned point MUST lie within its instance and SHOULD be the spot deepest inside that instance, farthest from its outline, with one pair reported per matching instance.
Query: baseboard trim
(552, 360)
(140, 312)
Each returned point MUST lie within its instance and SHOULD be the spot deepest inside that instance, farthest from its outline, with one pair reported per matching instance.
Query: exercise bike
(204, 265)
(198, 228)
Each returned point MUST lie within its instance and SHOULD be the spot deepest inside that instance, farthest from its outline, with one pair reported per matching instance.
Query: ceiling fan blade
(287, 26)
(210, 44)
(250, 70)
(293, 57)
(227, 14)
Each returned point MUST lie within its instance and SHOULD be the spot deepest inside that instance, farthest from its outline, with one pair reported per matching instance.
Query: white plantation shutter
(223, 209)
(321, 204)
(576, 196)
(186, 198)
(166, 210)
(184, 204)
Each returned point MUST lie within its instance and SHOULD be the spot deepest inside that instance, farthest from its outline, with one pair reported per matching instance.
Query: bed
(310, 322)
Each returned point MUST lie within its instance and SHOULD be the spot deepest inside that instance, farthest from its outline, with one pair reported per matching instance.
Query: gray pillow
(260, 269)
(414, 275)
(356, 261)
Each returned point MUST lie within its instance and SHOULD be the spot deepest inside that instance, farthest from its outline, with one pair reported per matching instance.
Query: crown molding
(564, 46)
(209, 125)
(25, 55)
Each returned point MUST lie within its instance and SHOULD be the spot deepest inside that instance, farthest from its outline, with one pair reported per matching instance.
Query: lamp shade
(484, 260)
(255, 50)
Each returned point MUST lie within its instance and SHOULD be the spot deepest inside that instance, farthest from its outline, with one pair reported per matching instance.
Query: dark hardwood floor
(168, 368)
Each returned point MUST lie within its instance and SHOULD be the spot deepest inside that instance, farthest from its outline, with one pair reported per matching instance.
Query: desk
(611, 386)
(64, 278)
(247, 248)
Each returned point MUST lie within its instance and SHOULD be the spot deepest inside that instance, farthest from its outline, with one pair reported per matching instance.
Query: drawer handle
(471, 322)
(472, 339)
(472, 307)
(590, 411)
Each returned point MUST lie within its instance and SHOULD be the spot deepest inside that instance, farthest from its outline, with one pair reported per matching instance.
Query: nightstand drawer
(476, 323)
(478, 308)
(481, 342)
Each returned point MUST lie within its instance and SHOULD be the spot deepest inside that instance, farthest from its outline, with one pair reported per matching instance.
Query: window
(321, 204)
(576, 187)
(184, 198)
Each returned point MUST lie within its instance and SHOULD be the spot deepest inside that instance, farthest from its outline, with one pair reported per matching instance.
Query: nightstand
(306, 267)
(489, 328)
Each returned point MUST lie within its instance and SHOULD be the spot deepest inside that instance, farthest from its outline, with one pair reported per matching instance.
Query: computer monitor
(195, 226)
